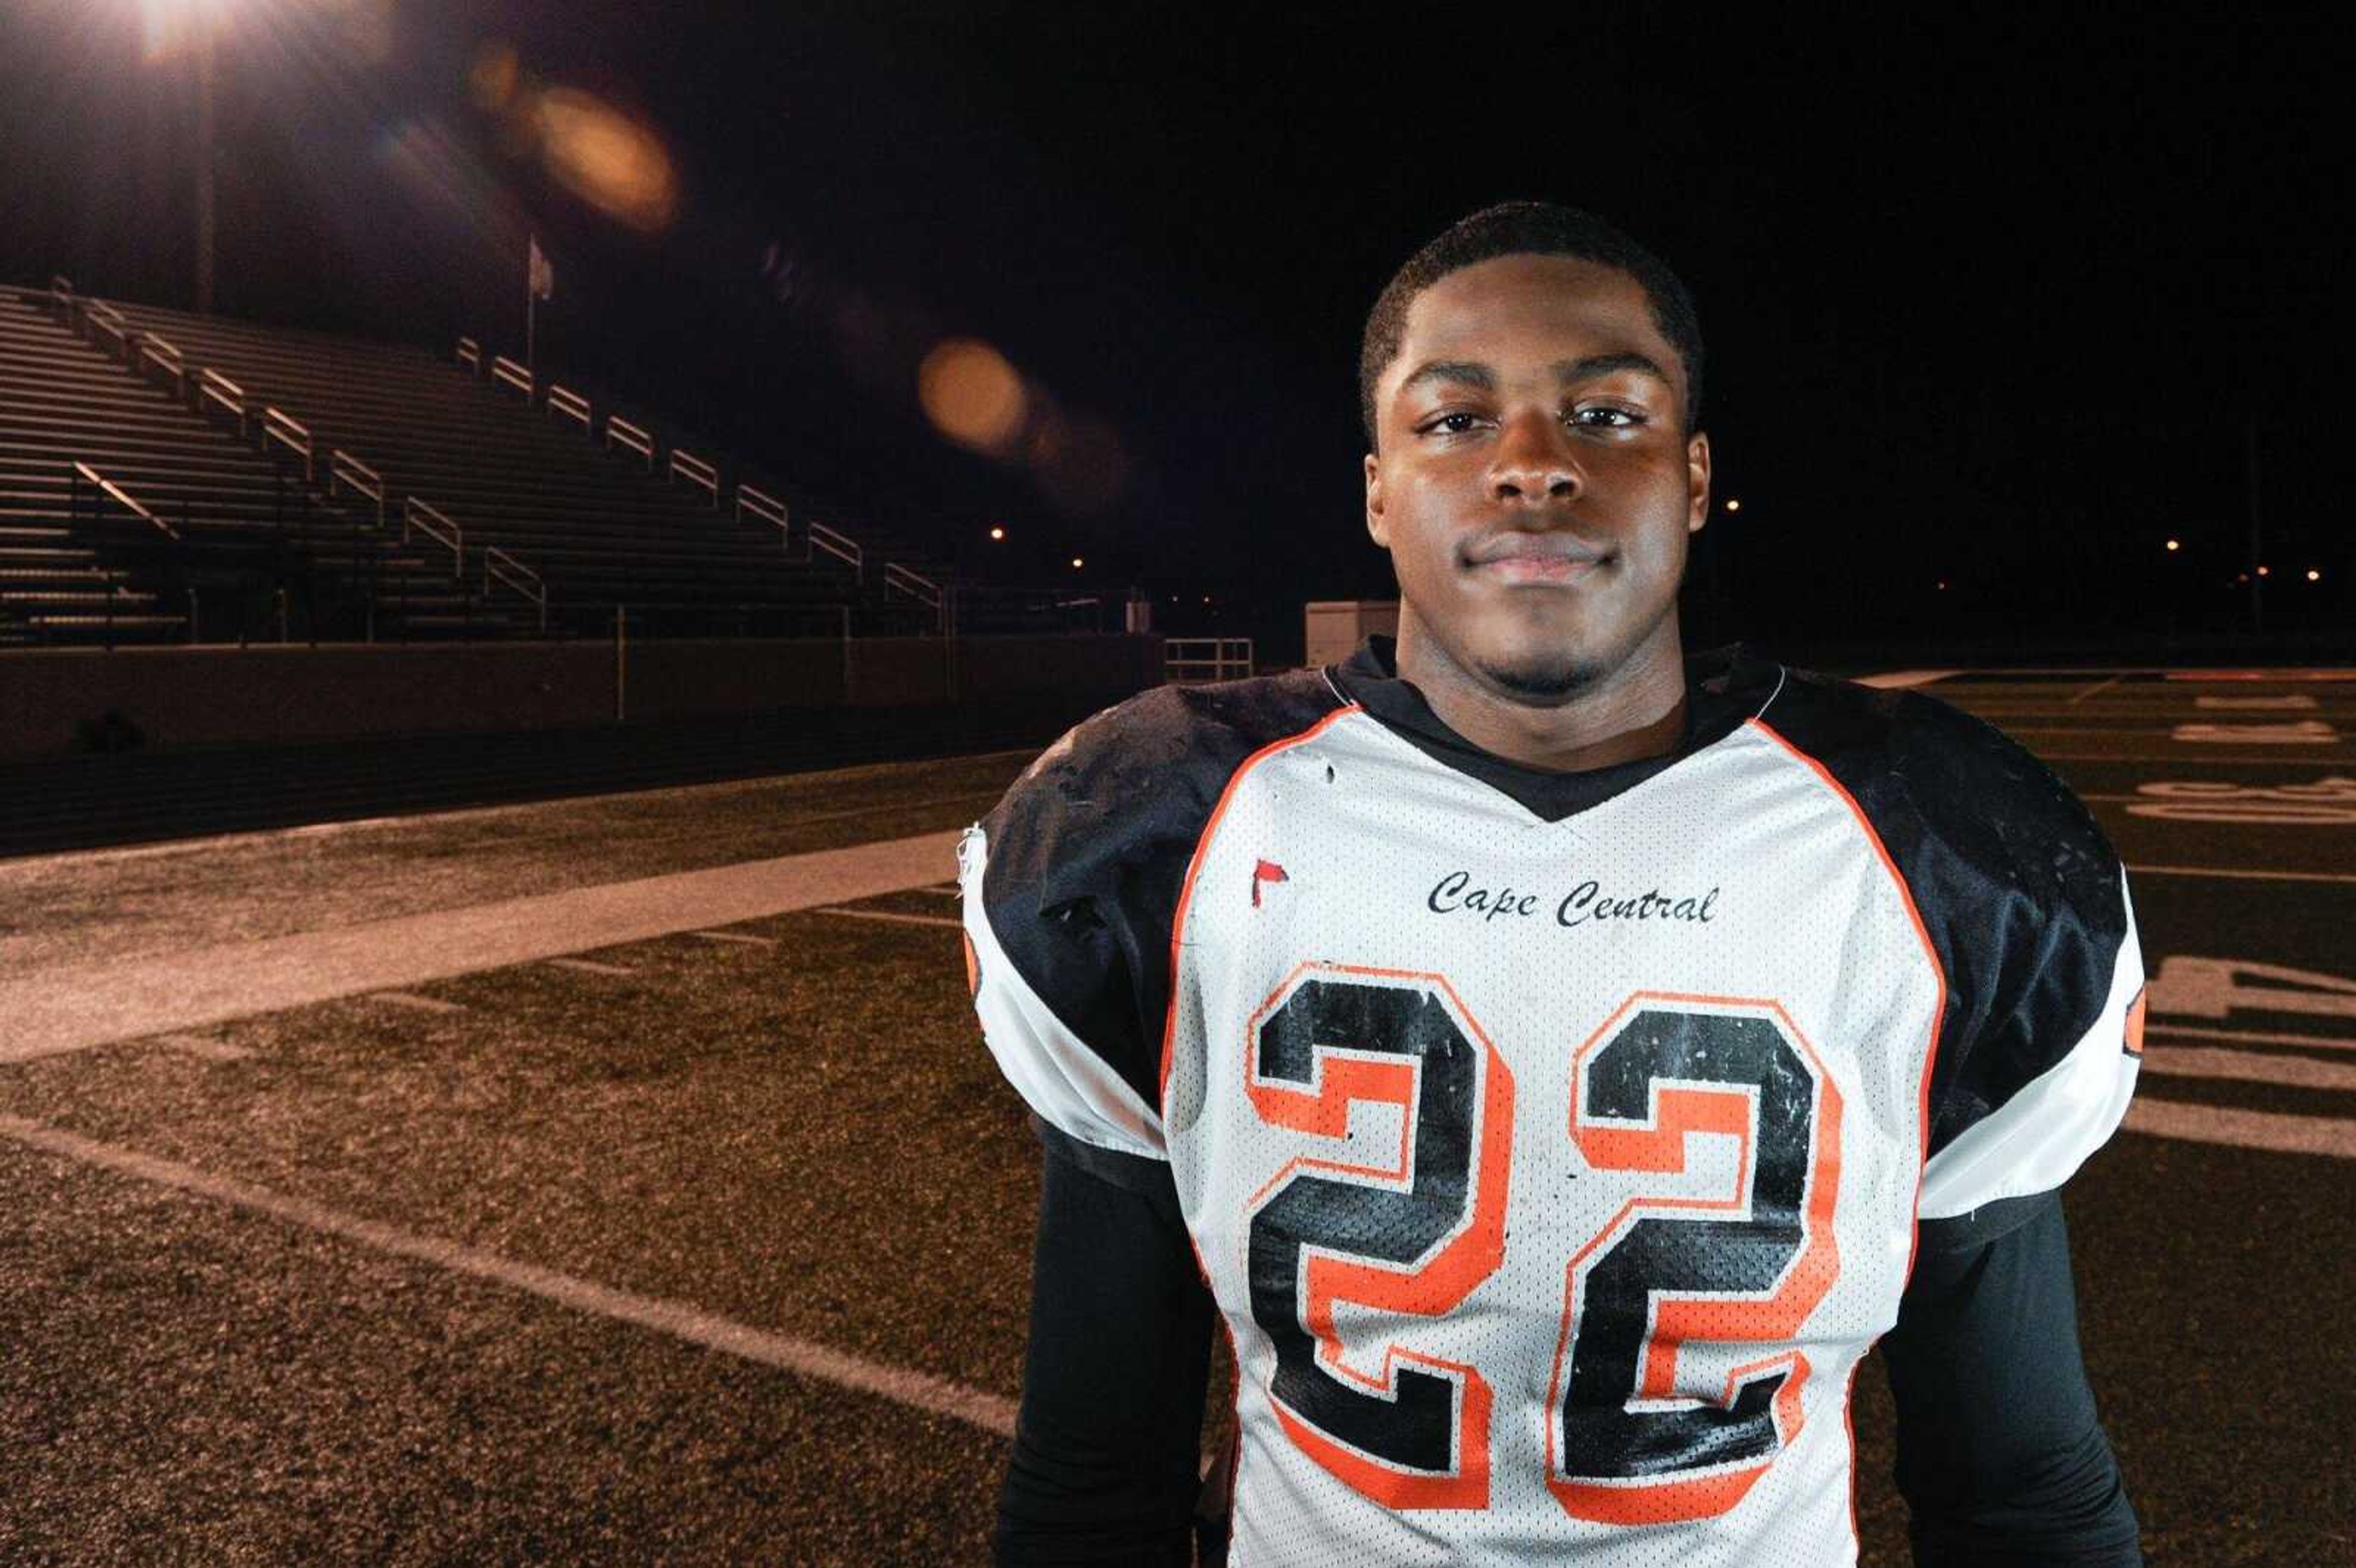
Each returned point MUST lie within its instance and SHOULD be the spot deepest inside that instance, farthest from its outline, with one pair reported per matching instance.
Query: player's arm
(1105, 1462)
(2000, 1455)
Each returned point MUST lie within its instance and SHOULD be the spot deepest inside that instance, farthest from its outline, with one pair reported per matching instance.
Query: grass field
(709, 1242)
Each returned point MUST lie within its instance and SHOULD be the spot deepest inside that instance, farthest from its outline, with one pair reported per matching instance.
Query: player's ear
(1378, 527)
(1696, 481)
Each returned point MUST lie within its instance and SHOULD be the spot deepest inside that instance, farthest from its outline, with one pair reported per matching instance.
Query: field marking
(2185, 759)
(74, 1007)
(744, 938)
(398, 998)
(201, 1048)
(2247, 1067)
(2092, 689)
(588, 966)
(679, 1319)
(2243, 1129)
(2249, 1036)
(892, 915)
(2237, 874)
(1900, 679)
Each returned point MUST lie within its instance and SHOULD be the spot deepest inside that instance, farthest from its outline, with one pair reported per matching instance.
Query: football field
(623, 1179)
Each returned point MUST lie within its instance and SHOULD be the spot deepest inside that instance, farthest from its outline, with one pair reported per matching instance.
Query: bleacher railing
(161, 353)
(841, 546)
(898, 578)
(343, 468)
(429, 521)
(84, 473)
(499, 566)
(1190, 660)
(470, 355)
(212, 387)
(290, 432)
(696, 471)
(634, 437)
(517, 376)
(103, 318)
(569, 404)
(766, 507)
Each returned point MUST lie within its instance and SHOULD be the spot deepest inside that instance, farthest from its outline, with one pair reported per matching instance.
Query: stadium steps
(249, 528)
(131, 797)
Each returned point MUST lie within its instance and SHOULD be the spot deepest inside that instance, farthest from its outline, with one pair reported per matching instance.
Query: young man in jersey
(1553, 1060)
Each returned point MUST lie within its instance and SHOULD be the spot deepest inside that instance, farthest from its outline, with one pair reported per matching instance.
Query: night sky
(2000, 301)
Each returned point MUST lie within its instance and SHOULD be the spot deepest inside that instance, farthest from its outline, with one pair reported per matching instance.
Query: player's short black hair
(1536, 229)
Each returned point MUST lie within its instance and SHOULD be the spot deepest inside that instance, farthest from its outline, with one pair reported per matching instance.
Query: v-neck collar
(1723, 688)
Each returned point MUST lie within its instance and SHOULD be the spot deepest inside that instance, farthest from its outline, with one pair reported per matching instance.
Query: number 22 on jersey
(1626, 1442)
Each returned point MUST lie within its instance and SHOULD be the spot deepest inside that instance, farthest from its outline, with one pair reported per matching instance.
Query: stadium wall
(58, 701)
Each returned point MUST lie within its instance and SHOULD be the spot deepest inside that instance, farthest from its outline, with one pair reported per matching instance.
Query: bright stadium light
(1732, 504)
(1077, 562)
(2174, 545)
(2313, 575)
(997, 533)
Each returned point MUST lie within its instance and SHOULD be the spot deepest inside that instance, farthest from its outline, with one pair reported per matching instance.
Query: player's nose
(1532, 461)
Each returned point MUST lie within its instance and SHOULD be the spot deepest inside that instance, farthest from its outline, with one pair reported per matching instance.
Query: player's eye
(1453, 423)
(1606, 416)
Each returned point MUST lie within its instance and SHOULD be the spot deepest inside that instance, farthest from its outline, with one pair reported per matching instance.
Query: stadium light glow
(1733, 504)
(2173, 544)
(2313, 575)
(2266, 571)
(1077, 563)
(997, 533)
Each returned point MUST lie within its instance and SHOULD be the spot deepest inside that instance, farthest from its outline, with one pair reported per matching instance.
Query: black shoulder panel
(2018, 889)
(1089, 847)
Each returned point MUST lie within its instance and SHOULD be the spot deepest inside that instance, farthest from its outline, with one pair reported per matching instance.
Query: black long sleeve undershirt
(2000, 1457)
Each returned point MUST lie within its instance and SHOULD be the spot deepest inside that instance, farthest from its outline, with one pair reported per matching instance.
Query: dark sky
(1995, 301)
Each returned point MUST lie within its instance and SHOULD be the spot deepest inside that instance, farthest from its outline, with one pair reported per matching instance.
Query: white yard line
(2092, 689)
(2236, 874)
(742, 938)
(588, 966)
(2249, 1036)
(680, 1319)
(892, 915)
(2189, 759)
(75, 1007)
(2247, 1067)
(2244, 1129)
(1898, 679)
(202, 1048)
(398, 998)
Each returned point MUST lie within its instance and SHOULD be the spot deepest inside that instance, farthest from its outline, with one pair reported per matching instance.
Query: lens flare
(607, 158)
(973, 395)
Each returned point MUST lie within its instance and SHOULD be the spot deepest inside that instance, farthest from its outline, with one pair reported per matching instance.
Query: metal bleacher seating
(166, 477)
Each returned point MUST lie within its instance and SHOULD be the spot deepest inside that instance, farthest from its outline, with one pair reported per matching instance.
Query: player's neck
(1636, 712)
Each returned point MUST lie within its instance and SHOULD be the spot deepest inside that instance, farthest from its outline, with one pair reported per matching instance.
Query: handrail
(570, 404)
(497, 563)
(105, 317)
(211, 384)
(435, 526)
(698, 472)
(161, 351)
(61, 287)
(763, 505)
(470, 355)
(634, 437)
(517, 376)
(1226, 658)
(915, 585)
(842, 547)
(283, 428)
(109, 487)
(343, 468)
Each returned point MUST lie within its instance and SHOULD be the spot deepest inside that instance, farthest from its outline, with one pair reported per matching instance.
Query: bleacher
(127, 518)
(486, 446)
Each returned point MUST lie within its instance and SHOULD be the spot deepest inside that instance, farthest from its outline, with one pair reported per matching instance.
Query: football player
(1552, 1061)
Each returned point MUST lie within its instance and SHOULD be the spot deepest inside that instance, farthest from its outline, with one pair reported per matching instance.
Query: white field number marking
(2216, 988)
(2329, 801)
(2303, 732)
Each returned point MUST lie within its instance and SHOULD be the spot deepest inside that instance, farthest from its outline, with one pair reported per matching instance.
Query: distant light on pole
(2174, 545)
(997, 533)
(2313, 575)
(1733, 504)
(2266, 571)
(1077, 562)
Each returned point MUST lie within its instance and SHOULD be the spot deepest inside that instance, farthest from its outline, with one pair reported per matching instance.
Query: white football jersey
(1555, 1153)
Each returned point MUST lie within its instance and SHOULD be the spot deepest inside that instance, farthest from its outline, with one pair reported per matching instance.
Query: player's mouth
(1547, 558)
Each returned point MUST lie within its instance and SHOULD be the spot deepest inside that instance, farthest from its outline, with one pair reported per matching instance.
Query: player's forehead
(1522, 312)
